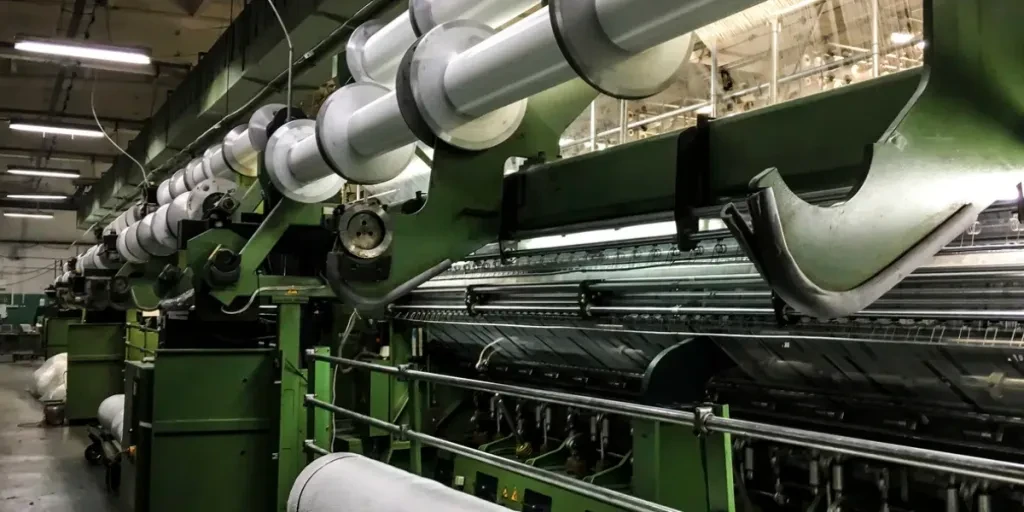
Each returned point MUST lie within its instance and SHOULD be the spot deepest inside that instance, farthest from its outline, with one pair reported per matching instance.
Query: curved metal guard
(369, 304)
(955, 149)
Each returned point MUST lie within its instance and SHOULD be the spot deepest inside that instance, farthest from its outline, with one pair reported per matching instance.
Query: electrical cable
(92, 105)
(481, 363)
(334, 375)
(291, 60)
(252, 298)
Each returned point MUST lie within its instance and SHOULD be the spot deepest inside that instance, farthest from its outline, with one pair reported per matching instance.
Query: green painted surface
(292, 430)
(669, 467)
(95, 367)
(139, 341)
(55, 334)
(512, 488)
(209, 445)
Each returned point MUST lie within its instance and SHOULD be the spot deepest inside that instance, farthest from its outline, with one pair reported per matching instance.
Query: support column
(773, 84)
(292, 424)
(713, 96)
(875, 59)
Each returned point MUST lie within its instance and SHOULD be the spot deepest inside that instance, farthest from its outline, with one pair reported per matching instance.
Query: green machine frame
(95, 367)
(55, 332)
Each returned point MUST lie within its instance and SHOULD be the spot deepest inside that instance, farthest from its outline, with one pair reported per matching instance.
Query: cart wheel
(94, 454)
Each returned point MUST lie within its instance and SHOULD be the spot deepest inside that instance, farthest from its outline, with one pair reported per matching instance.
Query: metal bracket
(927, 178)
(701, 415)
(693, 181)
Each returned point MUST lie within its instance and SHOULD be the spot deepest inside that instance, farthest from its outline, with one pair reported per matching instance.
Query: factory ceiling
(34, 87)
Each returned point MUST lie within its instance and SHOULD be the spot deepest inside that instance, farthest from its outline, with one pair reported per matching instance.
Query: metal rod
(601, 494)
(773, 85)
(623, 128)
(875, 60)
(593, 125)
(311, 446)
(713, 96)
(918, 457)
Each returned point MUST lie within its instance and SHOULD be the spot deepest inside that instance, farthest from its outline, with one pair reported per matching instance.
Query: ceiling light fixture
(37, 197)
(901, 37)
(55, 129)
(26, 215)
(80, 50)
(44, 172)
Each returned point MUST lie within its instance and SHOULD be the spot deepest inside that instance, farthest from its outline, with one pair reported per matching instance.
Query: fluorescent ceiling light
(79, 50)
(52, 129)
(24, 215)
(901, 37)
(38, 197)
(44, 172)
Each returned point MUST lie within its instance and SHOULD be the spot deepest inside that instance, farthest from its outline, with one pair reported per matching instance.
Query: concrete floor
(42, 469)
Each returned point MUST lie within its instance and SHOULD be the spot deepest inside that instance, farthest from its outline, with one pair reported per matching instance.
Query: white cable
(92, 105)
(334, 377)
(481, 363)
(252, 298)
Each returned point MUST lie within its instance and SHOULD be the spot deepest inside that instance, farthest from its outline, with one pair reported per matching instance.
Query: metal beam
(15, 152)
(63, 206)
(137, 10)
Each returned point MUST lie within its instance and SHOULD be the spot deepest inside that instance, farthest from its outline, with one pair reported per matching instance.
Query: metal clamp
(701, 416)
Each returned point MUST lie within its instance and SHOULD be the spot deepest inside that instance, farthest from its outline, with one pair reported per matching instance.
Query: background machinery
(563, 338)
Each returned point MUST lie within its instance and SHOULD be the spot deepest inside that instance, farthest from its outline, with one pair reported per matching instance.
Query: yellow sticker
(515, 494)
(504, 492)
(291, 291)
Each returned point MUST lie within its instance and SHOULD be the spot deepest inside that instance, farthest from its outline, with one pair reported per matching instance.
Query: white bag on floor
(52, 374)
(109, 409)
(57, 394)
(117, 428)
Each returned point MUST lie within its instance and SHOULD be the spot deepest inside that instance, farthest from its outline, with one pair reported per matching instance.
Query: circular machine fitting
(354, 54)
(177, 186)
(332, 136)
(148, 239)
(421, 80)
(364, 230)
(198, 201)
(103, 260)
(258, 123)
(129, 247)
(603, 64)
(163, 192)
(280, 173)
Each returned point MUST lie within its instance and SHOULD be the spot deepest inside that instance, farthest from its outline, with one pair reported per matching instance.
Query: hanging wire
(291, 59)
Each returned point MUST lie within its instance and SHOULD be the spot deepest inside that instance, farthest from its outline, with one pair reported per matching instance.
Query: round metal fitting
(604, 65)
(426, 69)
(280, 175)
(364, 230)
(148, 239)
(178, 186)
(163, 192)
(162, 230)
(354, 55)
(196, 205)
(238, 151)
(333, 137)
(133, 246)
(258, 123)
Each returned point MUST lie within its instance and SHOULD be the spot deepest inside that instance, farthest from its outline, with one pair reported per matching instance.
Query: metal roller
(375, 49)
(348, 482)
(128, 245)
(466, 86)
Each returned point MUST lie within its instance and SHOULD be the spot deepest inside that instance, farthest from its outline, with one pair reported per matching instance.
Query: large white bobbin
(335, 129)
(296, 166)
(423, 78)
(163, 192)
(177, 184)
(162, 230)
(130, 248)
(632, 72)
(190, 206)
(148, 239)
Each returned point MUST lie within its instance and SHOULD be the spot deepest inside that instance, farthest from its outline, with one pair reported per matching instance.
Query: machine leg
(292, 432)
